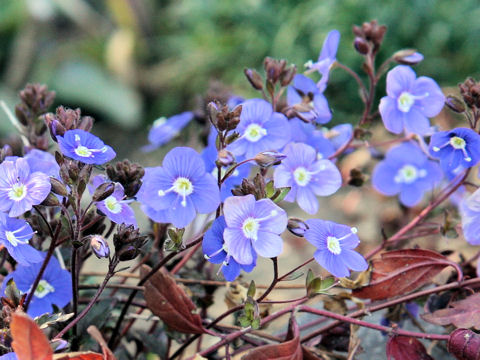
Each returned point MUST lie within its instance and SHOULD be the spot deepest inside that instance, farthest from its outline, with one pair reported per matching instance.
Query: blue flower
(339, 135)
(55, 287)
(116, 208)
(253, 227)
(164, 129)
(20, 189)
(327, 58)
(260, 129)
(14, 235)
(43, 161)
(85, 147)
(216, 251)
(303, 132)
(335, 244)
(470, 212)
(181, 188)
(304, 93)
(457, 147)
(410, 101)
(307, 176)
(9, 356)
(407, 171)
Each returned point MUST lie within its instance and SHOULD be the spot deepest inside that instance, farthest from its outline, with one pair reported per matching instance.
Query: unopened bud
(408, 57)
(297, 227)
(268, 158)
(254, 79)
(50, 200)
(287, 75)
(99, 246)
(225, 158)
(464, 344)
(103, 191)
(361, 45)
(213, 109)
(455, 104)
(58, 187)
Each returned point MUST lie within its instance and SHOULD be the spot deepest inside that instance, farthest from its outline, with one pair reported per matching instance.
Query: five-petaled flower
(20, 189)
(335, 244)
(14, 235)
(457, 147)
(407, 171)
(55, 287)
(410, 101)
(216, 251)
(164, 130)
(253, 226)
(85, 147)
(307, 176)
(260, 129)
(179, 189)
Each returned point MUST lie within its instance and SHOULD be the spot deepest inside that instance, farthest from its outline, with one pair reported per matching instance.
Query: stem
(232, 169)
(274, 281)
(359, 81)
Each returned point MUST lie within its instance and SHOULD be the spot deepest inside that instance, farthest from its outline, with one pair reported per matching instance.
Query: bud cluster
(276, 72)
(368, 37)
(128, 241)
(470, 91)
(221, 117)
(128, 174)
(67, 119)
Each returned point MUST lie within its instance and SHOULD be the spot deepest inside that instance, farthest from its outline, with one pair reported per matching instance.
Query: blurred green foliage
(127, 62)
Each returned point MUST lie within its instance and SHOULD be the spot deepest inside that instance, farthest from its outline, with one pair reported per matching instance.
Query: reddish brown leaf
(464, 344)
(288, 350)
(29, 342)
(399, 272)
(406, 347)
(463, 314)
(95, 333)
(169, 302)
(84, 355)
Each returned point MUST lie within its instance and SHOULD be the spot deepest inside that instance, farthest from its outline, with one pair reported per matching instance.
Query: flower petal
(239, 247)
(268, 245)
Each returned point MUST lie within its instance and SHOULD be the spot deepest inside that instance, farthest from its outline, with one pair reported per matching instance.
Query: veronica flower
(304, 96)
(85, 147)
(182, 187)
(115, 207)
(303, 132)
(458, 147)
(335, 244)
(215, 250)
(253, 227)
(55, 287)
(407, 171)
(470, 211)
(43, 161)
(410, 101)
(306, 176)
(260, 129)
(20, 189)
(339, 135)
(14, 235)
(9, 356)
(164, 130)
(326, 58)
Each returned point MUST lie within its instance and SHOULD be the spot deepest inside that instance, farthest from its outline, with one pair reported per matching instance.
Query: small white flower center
(83, 151)
(405, 102)
(408, 174)
(254, 132)
(11, 238)
(17, 192)
(333, 245)
(458, 143)
(250, 228)
(182, 186)
(43, 289)
(160, 121)
(113, 205)
(302, 176)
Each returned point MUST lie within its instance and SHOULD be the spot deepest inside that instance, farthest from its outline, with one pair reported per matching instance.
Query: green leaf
(294, 276)
(309, 278)
(280, 194)
(252, 290)
(255, 324)
(270, 189)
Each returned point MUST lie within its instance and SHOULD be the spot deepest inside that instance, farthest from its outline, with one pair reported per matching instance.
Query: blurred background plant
(128, 62)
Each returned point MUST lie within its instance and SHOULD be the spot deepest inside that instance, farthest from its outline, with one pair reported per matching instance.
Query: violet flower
(470, 212)
(164, 130)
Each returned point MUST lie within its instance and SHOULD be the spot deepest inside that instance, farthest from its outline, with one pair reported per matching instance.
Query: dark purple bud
(287, 75)
(297, 227)
(103, 191)
(455, 104)
(361, 45)
(58, 187)
(464, 344)
(99, 246)
(51, 200)
(268, 158)
(254, 79)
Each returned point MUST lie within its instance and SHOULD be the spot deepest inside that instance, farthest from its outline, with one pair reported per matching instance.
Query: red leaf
(29, 342)
(288, 350)
(169, 302)
(463, 313)
(401, 271)
(464, 344)
(406, 347)
(84, 355)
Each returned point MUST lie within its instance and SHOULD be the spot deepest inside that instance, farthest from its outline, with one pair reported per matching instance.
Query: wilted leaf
(84, 355)
(463, 314)
(406, 347)
(399, 272)
(46, 320)
(95, 333)
(288, 350)
(169, 302)
(29, 342)
(464, 344)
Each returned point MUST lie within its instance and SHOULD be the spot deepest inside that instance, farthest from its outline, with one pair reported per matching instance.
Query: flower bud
(268, 158)
(287, 75)
(297, 227)
(5, 151)
(254, 79)
(225, 158)
(213, 109)
(99, 246)
(455, 104)
(51, 200)
(361, 45)
(103, 191)
(58, 187)
(408, 57)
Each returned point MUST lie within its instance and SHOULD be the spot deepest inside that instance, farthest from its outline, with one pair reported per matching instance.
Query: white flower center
(17, 192)
(408, 174)
(160, 121)
(43, 289)
(405, 102)
(302, 176)
(83, 151)
(458, 143)
(182, 186)
(250, 228)
(254, 132)
(333, 245)
(113, 205)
